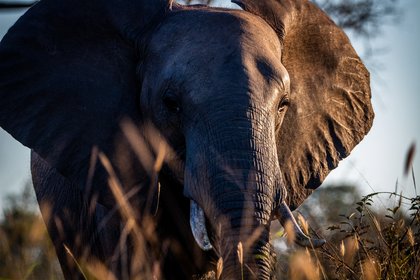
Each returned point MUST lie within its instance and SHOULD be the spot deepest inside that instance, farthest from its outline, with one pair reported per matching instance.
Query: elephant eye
(171, 102)
(284, 103)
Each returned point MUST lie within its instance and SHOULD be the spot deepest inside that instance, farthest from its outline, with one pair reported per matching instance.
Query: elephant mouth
(282, 213)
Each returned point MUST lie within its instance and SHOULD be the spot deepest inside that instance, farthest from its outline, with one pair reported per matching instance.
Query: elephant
(166, 138)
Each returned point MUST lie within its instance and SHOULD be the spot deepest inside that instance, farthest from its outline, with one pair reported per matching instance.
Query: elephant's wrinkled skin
(255, 107)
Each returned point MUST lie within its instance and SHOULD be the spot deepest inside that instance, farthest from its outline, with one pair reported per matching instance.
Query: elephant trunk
(232, 173)
(242, 236)
(238, 209)
(245, 258)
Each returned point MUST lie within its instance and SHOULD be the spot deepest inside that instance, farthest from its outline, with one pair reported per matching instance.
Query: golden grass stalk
(304, 224)
(290, 232)
(348, 249)
(219, 268)
(68, 251)
(342, 248)
(303, 267)
(376, 223)
(100, 271)
(129, 216)
(240, 252)
(370, 269)
(410, 237)
(138, 144)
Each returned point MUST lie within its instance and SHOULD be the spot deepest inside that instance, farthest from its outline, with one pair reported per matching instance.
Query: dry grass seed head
(290, 232)
(410, 237)
(303, 223)
(219, 268)
(351, 246)
(240, 252)
(100, 271)
(370, 269)
(303, 267)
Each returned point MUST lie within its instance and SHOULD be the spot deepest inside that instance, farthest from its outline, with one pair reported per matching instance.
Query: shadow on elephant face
(220, 120)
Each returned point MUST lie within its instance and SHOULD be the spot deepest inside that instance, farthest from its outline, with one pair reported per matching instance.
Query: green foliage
(372, 241)
(388, 240)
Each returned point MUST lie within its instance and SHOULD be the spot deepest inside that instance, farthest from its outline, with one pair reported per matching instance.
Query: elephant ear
(68, 77)
(330, 108)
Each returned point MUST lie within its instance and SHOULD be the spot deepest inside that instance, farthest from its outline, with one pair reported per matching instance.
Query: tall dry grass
(369, 242)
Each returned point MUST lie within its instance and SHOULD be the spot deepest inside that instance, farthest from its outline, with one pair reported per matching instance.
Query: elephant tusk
(198, 226)
(284, 215)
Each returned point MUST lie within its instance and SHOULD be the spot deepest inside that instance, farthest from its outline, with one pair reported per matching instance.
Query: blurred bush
(26, 251)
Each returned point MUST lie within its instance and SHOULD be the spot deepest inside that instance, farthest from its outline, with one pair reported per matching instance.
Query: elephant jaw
(282, 213)
(198, 226)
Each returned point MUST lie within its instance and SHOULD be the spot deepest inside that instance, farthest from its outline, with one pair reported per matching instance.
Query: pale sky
(375, 164)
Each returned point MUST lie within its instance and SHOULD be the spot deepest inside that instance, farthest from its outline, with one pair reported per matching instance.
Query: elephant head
(257, 105)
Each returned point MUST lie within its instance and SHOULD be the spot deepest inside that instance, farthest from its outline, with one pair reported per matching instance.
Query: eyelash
(285, 102)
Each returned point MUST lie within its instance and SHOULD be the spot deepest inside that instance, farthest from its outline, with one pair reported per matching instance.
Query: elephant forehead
(201, 35)
(213, 46)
